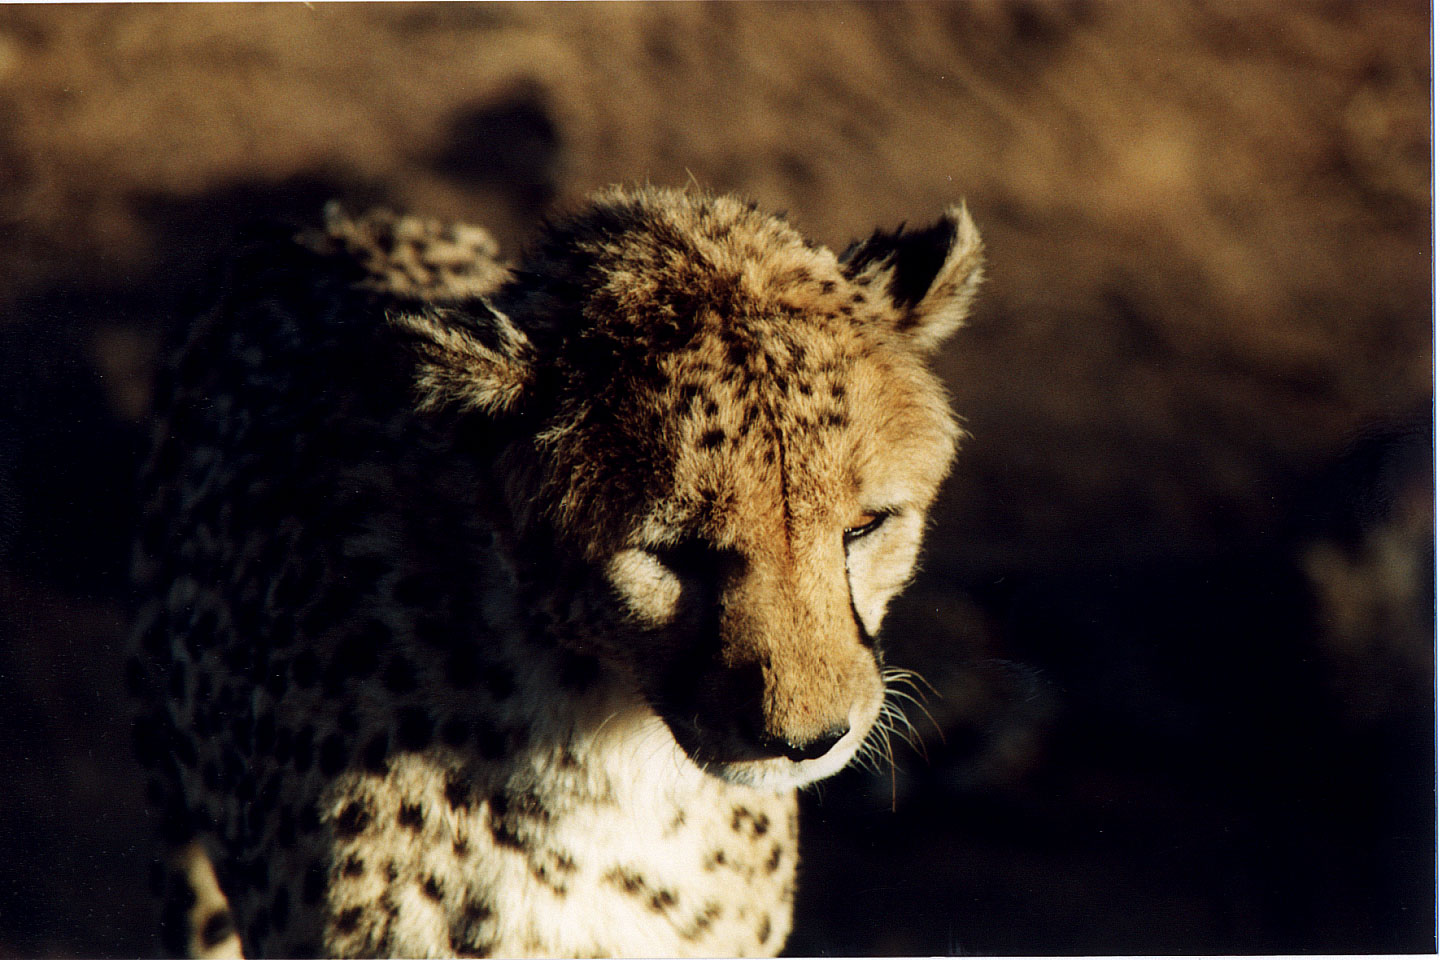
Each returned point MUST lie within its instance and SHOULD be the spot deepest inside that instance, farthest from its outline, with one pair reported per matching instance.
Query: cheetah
(503, 610)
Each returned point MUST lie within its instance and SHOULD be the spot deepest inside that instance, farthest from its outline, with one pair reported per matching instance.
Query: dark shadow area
(1216, 775)
(67, 456)
(510, 144)
(68, 459)
(67, 463)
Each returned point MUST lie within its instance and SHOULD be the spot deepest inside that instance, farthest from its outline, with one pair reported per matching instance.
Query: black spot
(836, 419)
(306, 669)
(177, 680)
(348, 720)
(277, 679)
(411, 816)
(242, 729)
(462, 667)
(352, 820)
(662, 900)
(399, 676)
(762, 824)
(284, 745)
(259, 927)
(184, 749)
(269, 794)
(499, 681)
(204, 686)
(258, 873)
(353, 866)
(333, 755)
(455, 732)
(461, 848)
(505, 835)
(280, 909)
(627, 880)
(304, 749)
(265, 733)
(328, 611)
(457, 794)
(736, 356)
(374, 755)
(413, 728)
(357, 655)
(431, 888)
(202, 634)
(347, 920)
(578, 671)
(491, 743)
(773, 864)
(418, 590)
(218, 927)
(711, 439)
(703, 920)
(432, 631)
(764, 932)
(291, 589)
(285, 828)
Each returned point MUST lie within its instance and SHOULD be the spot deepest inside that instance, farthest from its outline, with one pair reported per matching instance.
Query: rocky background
(1178, 604)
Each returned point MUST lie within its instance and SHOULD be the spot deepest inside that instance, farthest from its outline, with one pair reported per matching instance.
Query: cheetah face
(752, 589)
(738, 434)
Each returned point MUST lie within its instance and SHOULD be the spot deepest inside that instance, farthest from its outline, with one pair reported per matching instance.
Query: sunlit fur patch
(647, 587)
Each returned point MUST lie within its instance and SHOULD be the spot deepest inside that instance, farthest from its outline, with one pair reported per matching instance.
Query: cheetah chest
(578, 862)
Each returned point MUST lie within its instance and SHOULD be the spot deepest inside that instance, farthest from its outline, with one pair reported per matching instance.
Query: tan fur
(580, 576)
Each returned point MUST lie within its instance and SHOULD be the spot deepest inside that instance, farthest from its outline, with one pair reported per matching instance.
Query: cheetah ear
(930, 274)
(471, 357)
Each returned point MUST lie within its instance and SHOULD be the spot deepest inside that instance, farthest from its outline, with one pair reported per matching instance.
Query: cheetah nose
(817, 747)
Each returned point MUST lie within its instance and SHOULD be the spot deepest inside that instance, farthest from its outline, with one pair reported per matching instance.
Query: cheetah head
(734, 434)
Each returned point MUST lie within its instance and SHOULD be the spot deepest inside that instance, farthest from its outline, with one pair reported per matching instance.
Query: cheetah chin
(500, 610)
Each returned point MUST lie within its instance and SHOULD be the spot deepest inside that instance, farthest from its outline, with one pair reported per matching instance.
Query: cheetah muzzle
(502, 611)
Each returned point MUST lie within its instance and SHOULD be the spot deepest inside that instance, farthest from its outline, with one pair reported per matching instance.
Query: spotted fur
(502, 612)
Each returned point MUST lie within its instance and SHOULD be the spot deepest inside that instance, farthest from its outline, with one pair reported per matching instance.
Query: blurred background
(1178, 601)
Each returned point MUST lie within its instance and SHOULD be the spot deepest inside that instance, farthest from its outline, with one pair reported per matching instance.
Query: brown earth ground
(1178, 602)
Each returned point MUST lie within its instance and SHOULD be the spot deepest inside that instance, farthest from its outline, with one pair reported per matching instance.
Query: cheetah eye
(865, 524)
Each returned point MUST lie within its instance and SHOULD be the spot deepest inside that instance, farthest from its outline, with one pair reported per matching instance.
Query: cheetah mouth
(780, 773)
(739, 760)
